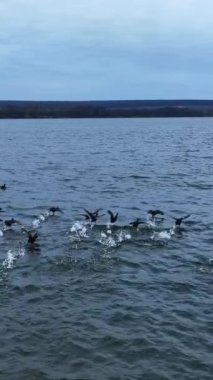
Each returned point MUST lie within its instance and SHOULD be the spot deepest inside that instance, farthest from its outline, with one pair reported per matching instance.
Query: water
(127, 305)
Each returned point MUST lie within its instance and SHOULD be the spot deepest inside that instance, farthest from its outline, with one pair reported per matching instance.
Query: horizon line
(108, 100)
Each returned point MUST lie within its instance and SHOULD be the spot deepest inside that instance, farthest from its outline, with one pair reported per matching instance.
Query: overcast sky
(106, 49)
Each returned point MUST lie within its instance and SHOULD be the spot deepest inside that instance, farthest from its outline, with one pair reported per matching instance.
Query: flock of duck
(80, 228)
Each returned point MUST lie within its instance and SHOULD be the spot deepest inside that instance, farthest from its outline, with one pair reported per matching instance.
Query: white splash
(109, 241)
(151, 223)
(1, 233)
(113, 241)
(47, 214)
(36, 223)
(42, 217)
(122, 236)
(77, 226)
(79, 230)
(12, 256)
(163, 235)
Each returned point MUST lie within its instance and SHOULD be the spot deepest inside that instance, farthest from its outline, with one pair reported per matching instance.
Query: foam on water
(163, 235)
(36, 223)
(12, 256)
(123, 236)
(78, 231)
(77, 226)
(113, 240)
(41, 217)
(108, 241)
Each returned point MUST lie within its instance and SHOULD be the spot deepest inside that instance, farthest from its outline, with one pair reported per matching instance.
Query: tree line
(103, 109)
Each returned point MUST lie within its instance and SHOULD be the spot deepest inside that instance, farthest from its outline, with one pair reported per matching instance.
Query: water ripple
(125, 305)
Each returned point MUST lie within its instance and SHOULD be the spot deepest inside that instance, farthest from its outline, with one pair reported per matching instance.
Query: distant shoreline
(105, 109)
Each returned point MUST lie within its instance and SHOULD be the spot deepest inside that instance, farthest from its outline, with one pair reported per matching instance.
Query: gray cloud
(102, 49)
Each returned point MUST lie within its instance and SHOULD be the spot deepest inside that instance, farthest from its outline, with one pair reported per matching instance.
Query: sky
(106, 49)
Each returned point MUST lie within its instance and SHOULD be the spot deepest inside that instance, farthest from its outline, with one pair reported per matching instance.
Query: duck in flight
(10, 222)
(92, 216)
(55, 209)
(178, 221)
(154, 213)
(3, 187)
(32, 238)
(113, 217)
(154, 216)
(135, 223)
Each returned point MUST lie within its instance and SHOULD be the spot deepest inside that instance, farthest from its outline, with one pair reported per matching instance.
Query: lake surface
(126, 305)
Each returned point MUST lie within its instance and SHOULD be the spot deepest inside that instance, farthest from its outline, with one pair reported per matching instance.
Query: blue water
(130, 305)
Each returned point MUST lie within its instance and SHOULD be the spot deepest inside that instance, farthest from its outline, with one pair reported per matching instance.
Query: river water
(89, 303)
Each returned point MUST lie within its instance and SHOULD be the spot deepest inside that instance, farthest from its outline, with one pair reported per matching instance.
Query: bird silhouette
(55, 209)
(178, 221)
(92, 216)
(113, 217)
(3, 187)
(32, 236)
(10, 222)
(155, 212)
(136, 223)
